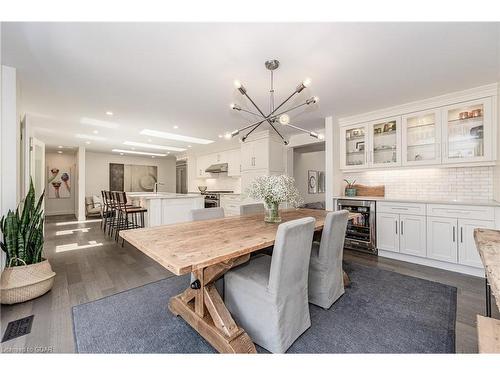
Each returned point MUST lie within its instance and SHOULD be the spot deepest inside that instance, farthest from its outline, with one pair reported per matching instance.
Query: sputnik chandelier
(274, 117)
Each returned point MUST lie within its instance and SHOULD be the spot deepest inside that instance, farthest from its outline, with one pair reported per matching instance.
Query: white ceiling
(158, 75)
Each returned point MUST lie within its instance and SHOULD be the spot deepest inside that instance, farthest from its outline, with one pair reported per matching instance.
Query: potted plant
(350, 190)
(27, 275)
(273, 190)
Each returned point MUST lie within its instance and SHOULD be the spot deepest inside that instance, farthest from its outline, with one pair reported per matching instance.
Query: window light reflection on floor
(72, 231)
(78, 222)
(75, 246)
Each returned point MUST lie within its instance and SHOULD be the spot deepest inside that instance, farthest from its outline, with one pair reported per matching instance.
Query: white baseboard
(473, 271)
(54, 213)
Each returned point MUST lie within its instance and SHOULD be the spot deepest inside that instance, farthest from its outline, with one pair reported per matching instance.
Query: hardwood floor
(90, 266)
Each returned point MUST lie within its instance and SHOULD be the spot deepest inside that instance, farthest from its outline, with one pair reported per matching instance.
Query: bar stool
(127, 215)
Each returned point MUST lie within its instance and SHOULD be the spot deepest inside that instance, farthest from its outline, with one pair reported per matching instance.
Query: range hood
(217, 168)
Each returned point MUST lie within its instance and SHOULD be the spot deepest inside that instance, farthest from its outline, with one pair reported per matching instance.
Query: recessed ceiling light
(220, 135)
(152, 157)
(59, 146)
(92, 137)
(136, 152)
(99, 123)
(121, 153)
(176, 127)
(109, 113)
(175, 137)
(95, 131)
(190, 146)
(59, 152)
(156, 147)
(87, 142)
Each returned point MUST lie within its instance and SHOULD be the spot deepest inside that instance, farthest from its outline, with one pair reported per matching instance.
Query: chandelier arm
(250, 132)
(284, 140)
(311, 133)
(283, 102)
(288, 110)
(252, 113)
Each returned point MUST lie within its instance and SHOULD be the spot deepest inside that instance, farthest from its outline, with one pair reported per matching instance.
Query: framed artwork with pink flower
(59, 182)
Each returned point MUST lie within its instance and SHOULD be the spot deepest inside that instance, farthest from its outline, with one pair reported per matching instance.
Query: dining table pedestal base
(204, 310)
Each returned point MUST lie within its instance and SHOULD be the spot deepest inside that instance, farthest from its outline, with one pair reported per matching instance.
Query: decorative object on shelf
(350, 190)
(476, 113)
(202, 189)
(27, 275)
(273, 118)
(377, 131)
(477, 132)
(274, 190)
(463, 115)
(312, 182)
(59, 183)
(389, 127)
(360, 146)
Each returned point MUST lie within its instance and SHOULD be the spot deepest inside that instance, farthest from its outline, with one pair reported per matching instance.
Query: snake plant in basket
(28, 274)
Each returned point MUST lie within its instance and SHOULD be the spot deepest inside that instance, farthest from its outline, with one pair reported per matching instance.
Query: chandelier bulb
(307, 82)
(237, 84)
(228, 136)
(284, 119)
(321, 136)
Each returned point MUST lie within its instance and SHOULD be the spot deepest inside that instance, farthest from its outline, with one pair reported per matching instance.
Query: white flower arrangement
(275, 189)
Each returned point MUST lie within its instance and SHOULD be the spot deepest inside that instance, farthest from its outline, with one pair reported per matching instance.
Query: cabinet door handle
(396, 222)
(462, 234)
(401, 227)
(453, 234)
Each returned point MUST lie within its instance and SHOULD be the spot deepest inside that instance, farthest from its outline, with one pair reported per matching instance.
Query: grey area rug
(381, 312)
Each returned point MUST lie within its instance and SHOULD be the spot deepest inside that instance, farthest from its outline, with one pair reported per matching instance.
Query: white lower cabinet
(467, 251)
(401, 233)
(412, 235)
(442, 239)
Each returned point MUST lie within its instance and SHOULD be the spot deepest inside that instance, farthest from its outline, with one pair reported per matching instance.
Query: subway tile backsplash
(470, 183)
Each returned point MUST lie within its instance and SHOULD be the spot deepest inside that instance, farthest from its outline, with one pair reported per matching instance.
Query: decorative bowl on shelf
(202, 189)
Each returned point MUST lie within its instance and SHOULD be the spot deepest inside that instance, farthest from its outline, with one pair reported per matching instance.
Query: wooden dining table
(208, 249)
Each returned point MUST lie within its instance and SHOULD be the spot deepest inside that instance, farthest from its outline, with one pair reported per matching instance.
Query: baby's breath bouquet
(274, 190)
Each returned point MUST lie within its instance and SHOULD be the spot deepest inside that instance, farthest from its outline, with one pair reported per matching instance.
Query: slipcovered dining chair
(268, 296)
(326, 283)
(207, 213)
(253, 208)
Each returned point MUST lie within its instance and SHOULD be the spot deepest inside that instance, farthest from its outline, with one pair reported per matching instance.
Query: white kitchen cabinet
(421, 138)
(231, 204)
(233, 162)
(468, 132)
(262, 153)
(442, 235)
(412, 235)
(202, 163)
(467, 251)
(388, 231)
(354, 147)
(401, 233)
(384, 140)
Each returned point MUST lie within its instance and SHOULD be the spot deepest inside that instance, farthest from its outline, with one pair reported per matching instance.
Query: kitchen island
(166, 208)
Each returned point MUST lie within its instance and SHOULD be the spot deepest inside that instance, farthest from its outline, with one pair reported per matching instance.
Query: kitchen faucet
(155, 188)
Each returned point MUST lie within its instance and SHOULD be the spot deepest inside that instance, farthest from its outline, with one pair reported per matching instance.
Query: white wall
(64, 161)
(302, 163)
(97, 171)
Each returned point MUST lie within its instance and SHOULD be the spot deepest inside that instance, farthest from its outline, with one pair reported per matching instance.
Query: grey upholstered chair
(326, 283)
(253, 208)
(268, 296)
(200, 214)
(207, 213)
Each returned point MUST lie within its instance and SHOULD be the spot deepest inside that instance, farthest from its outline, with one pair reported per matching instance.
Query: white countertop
(160, 195)
(492, 203)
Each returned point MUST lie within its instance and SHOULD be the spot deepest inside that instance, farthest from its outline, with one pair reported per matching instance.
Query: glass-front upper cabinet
(467, 130)
(353, 141)
(421, 138)
(385, 145)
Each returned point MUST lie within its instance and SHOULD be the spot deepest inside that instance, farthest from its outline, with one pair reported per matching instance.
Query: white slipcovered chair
(268, 296)
(207, 213)
(326, 283)
(253, 208)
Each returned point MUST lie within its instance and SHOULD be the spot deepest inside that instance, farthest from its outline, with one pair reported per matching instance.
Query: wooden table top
(488, 334)
(182, 248)
(488, 246)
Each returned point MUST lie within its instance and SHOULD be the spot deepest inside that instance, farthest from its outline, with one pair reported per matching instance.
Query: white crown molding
(490, 90)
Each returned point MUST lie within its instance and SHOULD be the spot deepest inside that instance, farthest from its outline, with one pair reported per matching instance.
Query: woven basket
(22, 283)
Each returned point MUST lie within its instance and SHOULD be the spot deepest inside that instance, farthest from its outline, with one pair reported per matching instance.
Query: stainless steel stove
(212, 197)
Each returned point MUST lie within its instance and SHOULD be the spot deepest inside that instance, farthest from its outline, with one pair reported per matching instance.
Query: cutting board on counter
(369, 191)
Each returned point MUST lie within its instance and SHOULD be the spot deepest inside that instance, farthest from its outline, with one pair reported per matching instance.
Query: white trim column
(329, 162)
(80, 170)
